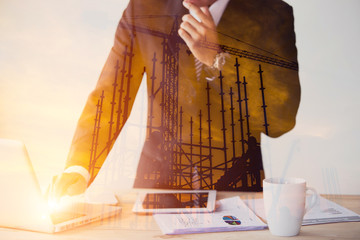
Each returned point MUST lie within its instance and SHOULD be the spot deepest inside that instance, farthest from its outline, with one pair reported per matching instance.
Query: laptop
(22, 205)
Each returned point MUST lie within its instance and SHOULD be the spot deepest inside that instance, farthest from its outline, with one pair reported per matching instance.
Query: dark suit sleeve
(109, 104)
(265, 28)
(284, 90)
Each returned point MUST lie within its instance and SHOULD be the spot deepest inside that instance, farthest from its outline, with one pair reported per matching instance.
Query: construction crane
(293, 65)
(169, 94)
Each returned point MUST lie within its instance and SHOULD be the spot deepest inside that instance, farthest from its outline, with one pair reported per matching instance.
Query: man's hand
(67, 184)
(195, 33)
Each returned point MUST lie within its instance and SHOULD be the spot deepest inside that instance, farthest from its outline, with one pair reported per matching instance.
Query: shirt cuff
(80, 170)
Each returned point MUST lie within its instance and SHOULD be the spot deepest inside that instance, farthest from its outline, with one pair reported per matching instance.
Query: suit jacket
(200, 134)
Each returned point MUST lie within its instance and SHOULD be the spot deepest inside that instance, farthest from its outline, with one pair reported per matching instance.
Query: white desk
(130, 226)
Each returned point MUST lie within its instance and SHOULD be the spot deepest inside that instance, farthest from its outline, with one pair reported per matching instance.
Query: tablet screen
(175, 200)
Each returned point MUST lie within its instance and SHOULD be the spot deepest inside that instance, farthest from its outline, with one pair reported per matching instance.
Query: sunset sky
(51, 55)
(52, 52)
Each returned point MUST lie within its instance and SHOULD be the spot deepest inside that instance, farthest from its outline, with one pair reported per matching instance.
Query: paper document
(325, 211)
(231, 215)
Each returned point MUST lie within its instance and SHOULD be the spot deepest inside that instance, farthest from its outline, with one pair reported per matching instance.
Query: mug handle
(313, 200)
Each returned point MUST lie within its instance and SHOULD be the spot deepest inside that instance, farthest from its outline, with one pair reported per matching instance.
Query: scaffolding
(190, 165)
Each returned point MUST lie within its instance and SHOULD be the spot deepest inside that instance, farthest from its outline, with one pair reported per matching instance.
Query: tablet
(175, 201)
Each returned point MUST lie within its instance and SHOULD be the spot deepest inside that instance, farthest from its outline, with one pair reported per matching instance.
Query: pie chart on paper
(231, 220)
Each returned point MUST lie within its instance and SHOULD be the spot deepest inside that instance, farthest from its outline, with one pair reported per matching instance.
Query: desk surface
(130, 226)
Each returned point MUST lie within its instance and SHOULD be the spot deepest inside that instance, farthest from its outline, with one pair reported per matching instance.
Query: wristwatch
(218, 64)
(219, 61)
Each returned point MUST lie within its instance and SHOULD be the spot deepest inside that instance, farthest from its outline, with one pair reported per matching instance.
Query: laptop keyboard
(60, 217)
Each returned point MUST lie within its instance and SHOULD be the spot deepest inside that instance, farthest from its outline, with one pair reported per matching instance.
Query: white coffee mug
(284, 202)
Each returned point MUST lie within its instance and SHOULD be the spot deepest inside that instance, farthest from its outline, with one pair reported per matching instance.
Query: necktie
(198, 68)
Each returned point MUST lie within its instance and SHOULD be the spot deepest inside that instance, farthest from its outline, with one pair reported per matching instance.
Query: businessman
(219, 73)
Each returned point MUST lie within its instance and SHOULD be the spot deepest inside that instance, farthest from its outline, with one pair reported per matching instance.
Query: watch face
(221, 59)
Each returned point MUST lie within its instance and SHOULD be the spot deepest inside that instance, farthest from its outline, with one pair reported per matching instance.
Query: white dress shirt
(217, 9)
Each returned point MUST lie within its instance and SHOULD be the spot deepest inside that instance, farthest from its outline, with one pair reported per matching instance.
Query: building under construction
(180, 150)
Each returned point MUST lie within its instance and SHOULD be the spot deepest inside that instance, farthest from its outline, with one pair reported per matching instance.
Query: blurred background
(51, 55)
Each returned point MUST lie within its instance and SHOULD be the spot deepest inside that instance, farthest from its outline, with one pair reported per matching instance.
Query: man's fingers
(194, 9)
(191, 30)
(77, 188)
(60, 185)
(196, 28)
(186, 37)
(189, 19)
(206, 11)
(202, 13)
(64, 182)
